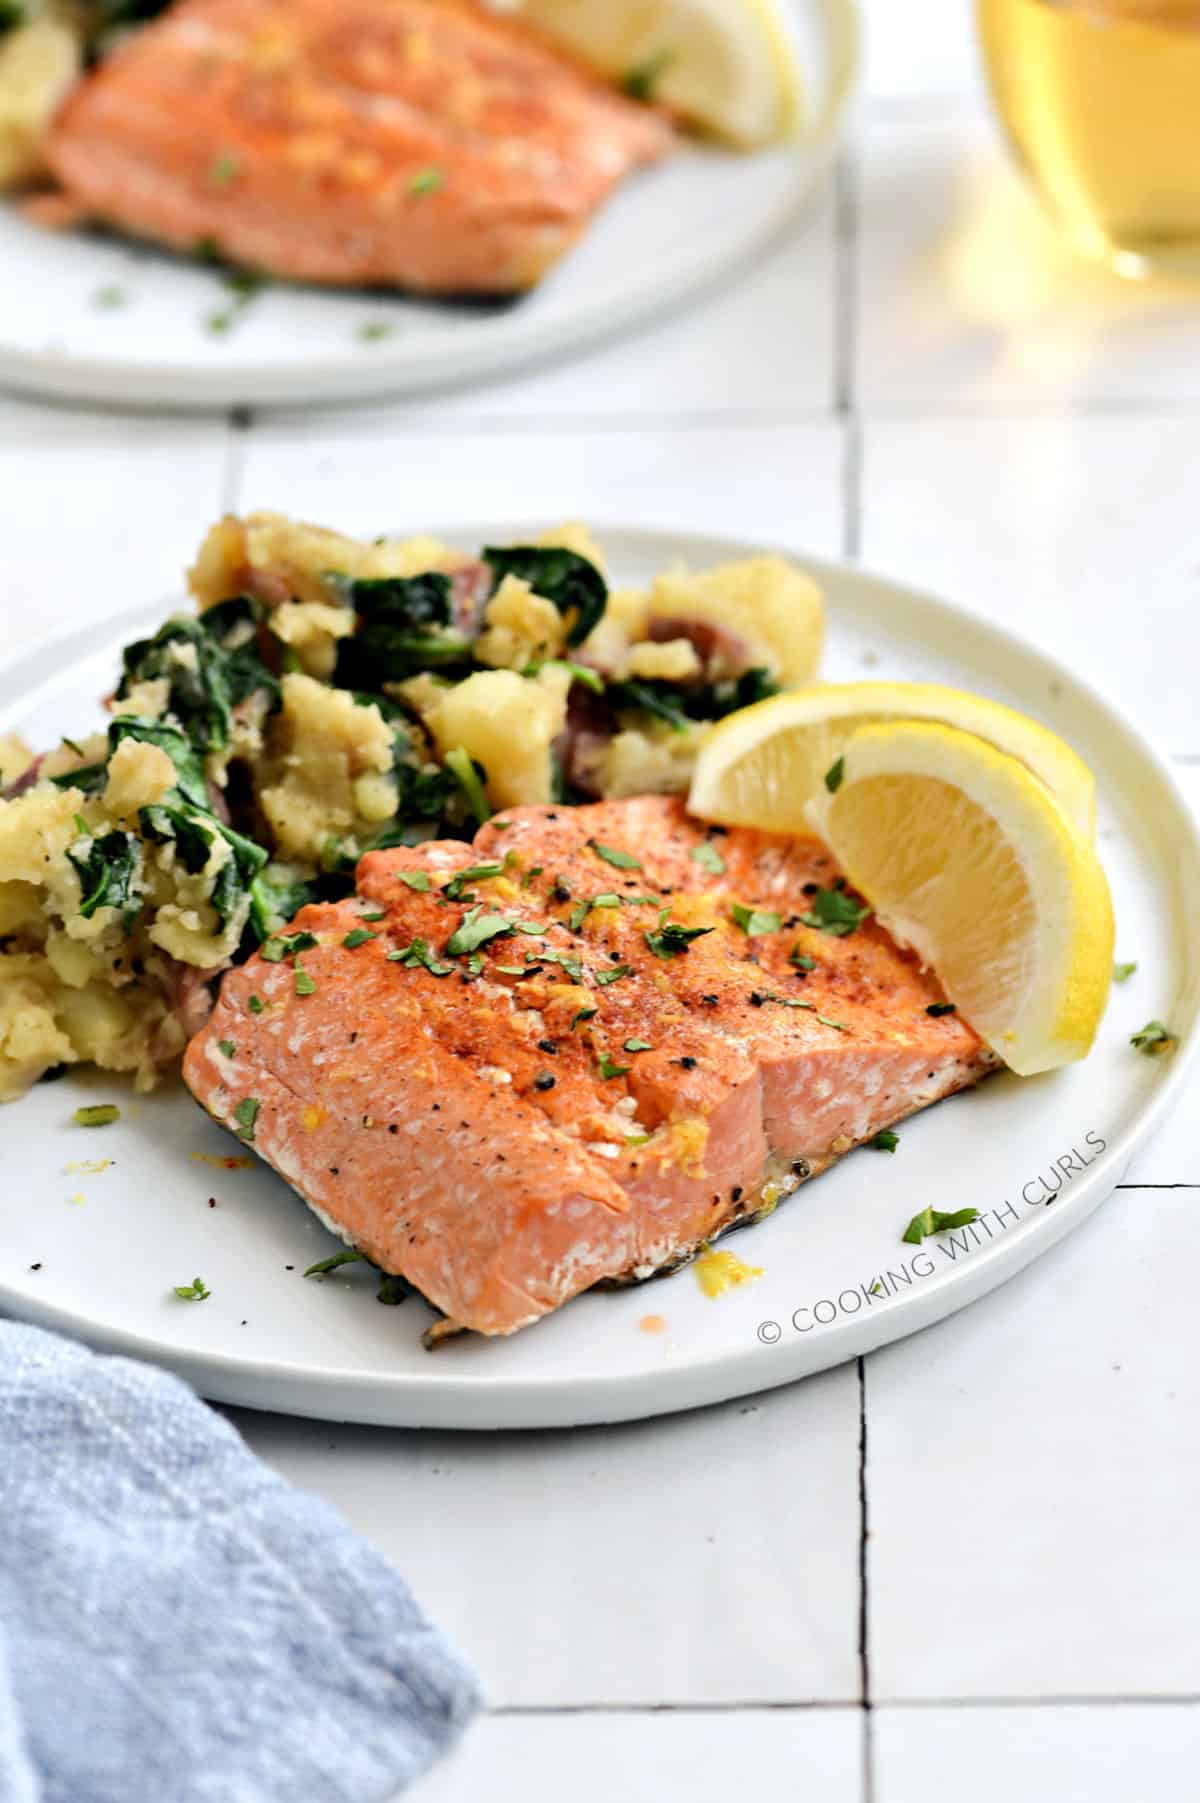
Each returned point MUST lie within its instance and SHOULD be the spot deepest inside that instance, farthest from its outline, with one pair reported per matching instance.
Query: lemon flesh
(968, 858)
(762, 766)
(727, 66)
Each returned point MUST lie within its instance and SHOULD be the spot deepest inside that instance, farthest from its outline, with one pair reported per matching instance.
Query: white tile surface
(762, 343)
(782, 482)
(968, 300)
(913, 55)
(1033, 1472)
(98, 513)
(684, 1758)
(1077, 532)
(704, 1558)
(1129, 1754)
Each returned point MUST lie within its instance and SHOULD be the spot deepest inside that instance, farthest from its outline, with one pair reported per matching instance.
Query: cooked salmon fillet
(617, 1074)
(425, 144)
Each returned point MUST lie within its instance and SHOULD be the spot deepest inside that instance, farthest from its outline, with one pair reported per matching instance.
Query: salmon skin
(424, 144)
(572, 1051)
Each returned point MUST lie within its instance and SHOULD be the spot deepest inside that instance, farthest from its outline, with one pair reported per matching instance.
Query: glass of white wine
(1101, 102)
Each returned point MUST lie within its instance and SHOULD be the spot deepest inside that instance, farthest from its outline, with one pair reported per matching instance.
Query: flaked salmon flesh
(644, 1047)
(424, 144)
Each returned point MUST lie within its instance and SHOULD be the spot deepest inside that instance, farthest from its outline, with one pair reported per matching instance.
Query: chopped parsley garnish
(1123, 972)
(638, 1045)
(470, 778)
(223, 170)
(418, 955)
(285, 945)
(756, 921)
(108, 299)
(304, 983)
(572, 966)
(196, 1291)
(633, 1140)
(412, 879)
(535, 870)
(801, 959)
(605, 977)
(245, 1114)
(834, 912)
(584, 1014)
(392, 1290)
(793, 1001)
(620, 860)
(102, 1115)
(671, 940)
(478, 873)
(81, 826)
(326, 1265)
(834, 775)
(884, 1141)
(377, 913)
(256, 1004)
(641, 82)
(475, 929)
(371, 331)
(579, 914)
(71, 745)
(609, 900)
(708, 857)
(1152, 1039)
(609, 1069)
(228, 1048)
(932, 1220)
(358, 936)
(427, 181)
(937, 1009)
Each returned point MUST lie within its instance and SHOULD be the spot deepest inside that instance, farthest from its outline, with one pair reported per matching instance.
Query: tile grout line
(845, 282)
(238, 424)
(864, 1613)
(739, 1706)
(842, 1706)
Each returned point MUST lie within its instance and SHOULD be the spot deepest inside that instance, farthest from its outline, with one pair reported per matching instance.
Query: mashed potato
(333, 696)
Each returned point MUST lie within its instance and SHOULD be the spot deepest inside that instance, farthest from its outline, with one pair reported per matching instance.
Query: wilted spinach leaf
(189, 770)
(106, 874)
(403, 626)
(571, 582)
(210, 664)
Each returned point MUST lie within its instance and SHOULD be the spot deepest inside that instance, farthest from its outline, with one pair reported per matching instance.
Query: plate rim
(476, 1401)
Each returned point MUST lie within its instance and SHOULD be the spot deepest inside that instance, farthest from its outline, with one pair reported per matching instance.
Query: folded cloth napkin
(178, 1625)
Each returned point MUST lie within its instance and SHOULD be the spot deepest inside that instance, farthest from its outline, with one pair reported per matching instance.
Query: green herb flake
(1152, 1039)
(605, 977)
(304, 983)
(754, 922)
(834, 912)
(245, 1114)
(358, 936)
(937, 1009)
(377, 913)
(475, 929)
(793, 1001)
(412, 879)
(427, 181)
(609, 1069)
(932, 1220)
(1123, 972)
(81, 826)
(374, 331)
(392, 1290)
(256, 1004)
(467, 775)
(708, 857)
(223, 170)
(672, 941)
(620, 860)
(584, 1014)
(478, 873)
(578, 915)
(633, 1140)
(110, 300)
(572, 966)
(228, 1048)
(325, 1265)
(641, 82)
(71, 745)
(638, 1045)
(196, 1291)
(884, 1141)
(534, 871)
(418, 955)
(103, 1114)
(834, 775)
(801, 959)
(285, 945)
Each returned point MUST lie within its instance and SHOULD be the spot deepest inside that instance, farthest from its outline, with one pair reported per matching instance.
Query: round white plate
(97, 1254)
(104, 320)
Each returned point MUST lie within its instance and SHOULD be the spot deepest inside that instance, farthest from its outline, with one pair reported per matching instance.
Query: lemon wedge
(762, 766)
(727, 66)
(968, 858)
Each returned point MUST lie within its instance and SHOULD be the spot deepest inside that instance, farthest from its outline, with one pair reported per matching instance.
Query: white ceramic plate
(669, 233)
(98, 1254)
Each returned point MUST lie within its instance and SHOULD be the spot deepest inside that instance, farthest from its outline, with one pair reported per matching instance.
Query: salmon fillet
(588, 1099)
(424, 144)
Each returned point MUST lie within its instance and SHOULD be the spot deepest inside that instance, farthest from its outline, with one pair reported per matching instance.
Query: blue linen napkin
(177, 1624)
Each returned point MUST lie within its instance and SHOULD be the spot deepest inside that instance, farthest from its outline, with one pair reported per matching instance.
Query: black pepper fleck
(36, 1267)
(392, 1127)
(811, 888)
(735, 1194)
(710, 1001)
(689, 1064)
(756, 1000)
(544, 1080)
(333, 1170)
(549, 1046)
